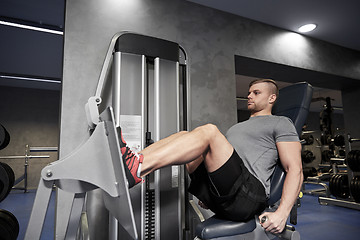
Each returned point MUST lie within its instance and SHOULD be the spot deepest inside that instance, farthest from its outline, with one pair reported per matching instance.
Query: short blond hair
(274, 87)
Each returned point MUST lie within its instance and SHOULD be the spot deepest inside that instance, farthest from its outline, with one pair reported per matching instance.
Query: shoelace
(129, 155)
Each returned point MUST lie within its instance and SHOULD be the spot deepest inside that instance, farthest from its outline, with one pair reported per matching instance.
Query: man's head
(262, 96)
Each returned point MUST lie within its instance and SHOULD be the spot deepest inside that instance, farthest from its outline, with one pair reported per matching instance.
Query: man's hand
(274, 222)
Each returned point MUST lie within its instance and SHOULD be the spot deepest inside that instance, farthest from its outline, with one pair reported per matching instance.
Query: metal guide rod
(179, 200)
(188, 97)
(157, 97)
(187, 126)
(116, 87)
(113, 223)
(143, 186)
(177, 97)
(157, 138)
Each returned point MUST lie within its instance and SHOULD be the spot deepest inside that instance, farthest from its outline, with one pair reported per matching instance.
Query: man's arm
(290, 157)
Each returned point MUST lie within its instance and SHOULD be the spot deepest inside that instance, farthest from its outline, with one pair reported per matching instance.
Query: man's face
(259, 97)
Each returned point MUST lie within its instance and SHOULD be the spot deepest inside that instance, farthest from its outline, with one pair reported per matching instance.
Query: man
(231, 174)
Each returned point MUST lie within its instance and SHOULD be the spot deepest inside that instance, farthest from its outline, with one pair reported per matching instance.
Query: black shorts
(245, 198)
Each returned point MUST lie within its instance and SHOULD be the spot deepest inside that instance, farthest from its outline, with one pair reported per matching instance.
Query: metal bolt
(49, 173)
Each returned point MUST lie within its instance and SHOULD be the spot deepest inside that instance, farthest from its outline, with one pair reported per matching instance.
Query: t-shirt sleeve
(285, 131)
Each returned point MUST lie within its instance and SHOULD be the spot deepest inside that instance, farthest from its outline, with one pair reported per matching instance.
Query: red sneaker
(131, 161)
(123, 144)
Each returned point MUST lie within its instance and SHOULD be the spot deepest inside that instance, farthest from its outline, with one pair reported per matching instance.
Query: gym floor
(315, 222)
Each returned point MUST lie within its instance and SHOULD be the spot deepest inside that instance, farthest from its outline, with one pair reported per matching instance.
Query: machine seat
(215, 227)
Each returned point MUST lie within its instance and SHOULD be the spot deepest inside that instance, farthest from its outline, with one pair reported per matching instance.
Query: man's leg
(193, 165)
(162, 142)
(182, 148)
(206, 140)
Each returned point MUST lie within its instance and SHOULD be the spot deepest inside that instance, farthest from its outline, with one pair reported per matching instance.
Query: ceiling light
(307, 27)
(30, 27)
(31, 79)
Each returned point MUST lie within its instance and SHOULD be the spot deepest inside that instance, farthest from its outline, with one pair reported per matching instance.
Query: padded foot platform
(214, 228)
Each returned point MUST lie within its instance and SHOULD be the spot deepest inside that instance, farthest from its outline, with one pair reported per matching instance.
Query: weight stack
(149, 212)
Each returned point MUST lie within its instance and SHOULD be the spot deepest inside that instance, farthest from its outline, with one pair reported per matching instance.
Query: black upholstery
(276, 184)
(293, 102)
(215, 227)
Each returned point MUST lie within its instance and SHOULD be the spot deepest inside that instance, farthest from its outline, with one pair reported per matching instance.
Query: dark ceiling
(40, 54)
(338, 21)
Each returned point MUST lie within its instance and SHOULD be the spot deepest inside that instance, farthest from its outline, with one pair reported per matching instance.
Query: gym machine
(149, 98)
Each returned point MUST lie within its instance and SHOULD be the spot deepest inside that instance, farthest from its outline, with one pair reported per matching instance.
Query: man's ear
(272, 98)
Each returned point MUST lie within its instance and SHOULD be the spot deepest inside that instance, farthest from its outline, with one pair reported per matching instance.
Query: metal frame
(325, 192)
(66, 176)
(339, 202)
(84, 171)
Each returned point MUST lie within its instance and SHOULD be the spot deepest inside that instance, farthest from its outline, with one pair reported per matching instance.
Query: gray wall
(212, 38)
(31, 117)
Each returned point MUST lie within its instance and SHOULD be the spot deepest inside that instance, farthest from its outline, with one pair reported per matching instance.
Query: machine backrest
(293, 102)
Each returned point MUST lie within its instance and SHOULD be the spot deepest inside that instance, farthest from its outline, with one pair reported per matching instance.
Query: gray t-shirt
(255, 142)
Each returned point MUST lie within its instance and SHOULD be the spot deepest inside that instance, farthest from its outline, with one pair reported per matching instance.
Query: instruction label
(131, 131)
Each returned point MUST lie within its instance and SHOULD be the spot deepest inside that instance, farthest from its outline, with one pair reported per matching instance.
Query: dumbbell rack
(316, 180)
(347, 202)
(26, 158)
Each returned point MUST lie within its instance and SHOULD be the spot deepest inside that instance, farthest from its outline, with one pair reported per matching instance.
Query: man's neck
(260, 113)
